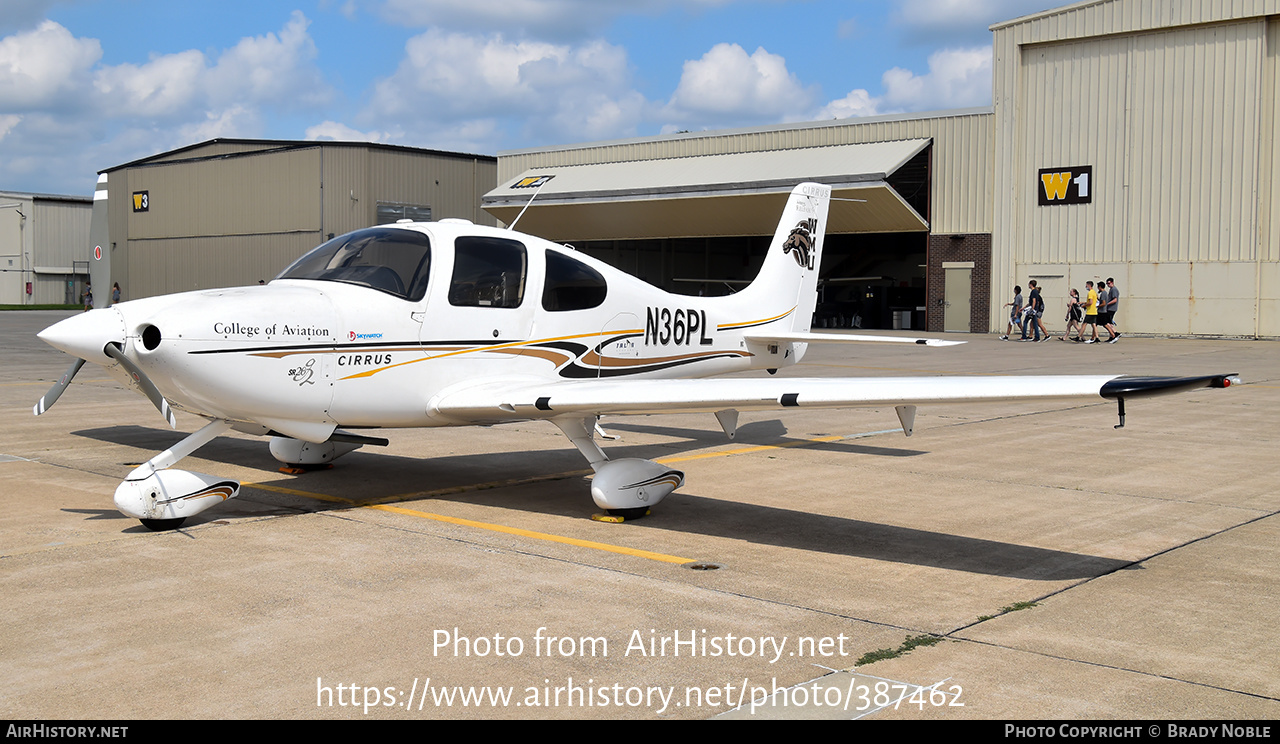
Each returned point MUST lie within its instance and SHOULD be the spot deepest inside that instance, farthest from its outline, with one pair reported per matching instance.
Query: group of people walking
(1098, 308)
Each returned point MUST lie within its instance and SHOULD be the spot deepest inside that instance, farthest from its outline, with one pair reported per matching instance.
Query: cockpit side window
(571, 285)
(389, 260)
(488, 272)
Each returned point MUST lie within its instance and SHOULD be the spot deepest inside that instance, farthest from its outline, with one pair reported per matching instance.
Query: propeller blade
(51, 397)
(148, 388)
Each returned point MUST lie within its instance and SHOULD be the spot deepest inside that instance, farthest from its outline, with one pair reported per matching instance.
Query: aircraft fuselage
(334, 354)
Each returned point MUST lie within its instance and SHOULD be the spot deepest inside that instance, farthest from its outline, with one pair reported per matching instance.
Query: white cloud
(858, 103)
(456, 85)
(469, 73)
(236, 121)
(957, 78)
(272, 68)
(61, 107)
(7, 123)
(336, 131)
(45, 68)
(49, 69)
(728, 85)
(164, 86)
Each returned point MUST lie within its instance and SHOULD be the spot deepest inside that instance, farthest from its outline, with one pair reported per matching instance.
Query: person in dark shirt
(1035, 315)
(1112, 305)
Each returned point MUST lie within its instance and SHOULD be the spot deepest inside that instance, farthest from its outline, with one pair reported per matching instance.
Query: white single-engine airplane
(454, 324)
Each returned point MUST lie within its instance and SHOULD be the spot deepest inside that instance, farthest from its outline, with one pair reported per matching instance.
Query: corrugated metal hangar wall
(1132, 139)
(233, 212)
(1169, 109)
(44, 242)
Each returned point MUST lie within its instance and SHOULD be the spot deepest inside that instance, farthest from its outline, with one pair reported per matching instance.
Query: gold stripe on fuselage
(496, 347)
(592, 359)
(749, 323)
(523, 348)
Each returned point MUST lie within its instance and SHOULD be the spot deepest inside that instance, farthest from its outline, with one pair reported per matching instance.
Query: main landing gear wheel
(161, 525)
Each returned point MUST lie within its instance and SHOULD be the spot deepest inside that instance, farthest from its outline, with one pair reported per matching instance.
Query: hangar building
(1132, 139)
(232, 212)
(43, 257)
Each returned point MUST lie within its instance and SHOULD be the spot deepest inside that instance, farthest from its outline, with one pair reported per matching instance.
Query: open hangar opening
(701, 222)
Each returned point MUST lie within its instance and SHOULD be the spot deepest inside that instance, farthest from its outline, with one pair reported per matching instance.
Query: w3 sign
(1071, 185)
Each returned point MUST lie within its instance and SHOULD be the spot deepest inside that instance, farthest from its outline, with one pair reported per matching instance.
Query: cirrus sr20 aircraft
(454, 324)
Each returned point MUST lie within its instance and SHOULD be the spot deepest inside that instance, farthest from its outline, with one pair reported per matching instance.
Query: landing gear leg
(627, 488)
(162, 499)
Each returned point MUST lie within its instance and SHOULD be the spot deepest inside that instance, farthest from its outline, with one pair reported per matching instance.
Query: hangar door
(1169, 123)
(701, 225)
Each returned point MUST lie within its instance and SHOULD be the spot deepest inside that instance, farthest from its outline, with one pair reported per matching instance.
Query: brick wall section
(975, 248)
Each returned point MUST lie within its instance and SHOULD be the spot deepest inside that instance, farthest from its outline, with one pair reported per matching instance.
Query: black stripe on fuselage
(578, 371)
(623, 337)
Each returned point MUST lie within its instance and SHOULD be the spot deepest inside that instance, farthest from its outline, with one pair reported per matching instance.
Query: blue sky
(88, 84)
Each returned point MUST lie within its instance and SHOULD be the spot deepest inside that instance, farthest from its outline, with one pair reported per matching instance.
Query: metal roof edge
(772, 186)
(1044, 14)
(269, 145)
(713, 133)
(45, 197)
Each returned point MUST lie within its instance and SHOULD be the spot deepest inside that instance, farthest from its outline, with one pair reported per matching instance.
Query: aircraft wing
(504, 400)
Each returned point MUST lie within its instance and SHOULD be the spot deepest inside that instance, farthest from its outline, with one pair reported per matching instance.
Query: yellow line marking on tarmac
(781, 445)
(383, 503)
(606, 547)
(536, 535)
(748, 450)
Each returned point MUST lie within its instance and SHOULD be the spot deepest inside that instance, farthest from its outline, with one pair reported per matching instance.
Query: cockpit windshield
(391, 260)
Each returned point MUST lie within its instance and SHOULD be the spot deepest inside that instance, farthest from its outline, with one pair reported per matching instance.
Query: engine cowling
(632, 483)
(173, 494)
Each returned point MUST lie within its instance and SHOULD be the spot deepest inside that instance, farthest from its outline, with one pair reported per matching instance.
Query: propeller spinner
(97, 336)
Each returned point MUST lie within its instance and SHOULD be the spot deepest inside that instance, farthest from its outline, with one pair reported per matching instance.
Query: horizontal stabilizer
(844, 338)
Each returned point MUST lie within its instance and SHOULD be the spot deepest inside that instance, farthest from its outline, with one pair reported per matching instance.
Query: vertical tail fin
(787, 286)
